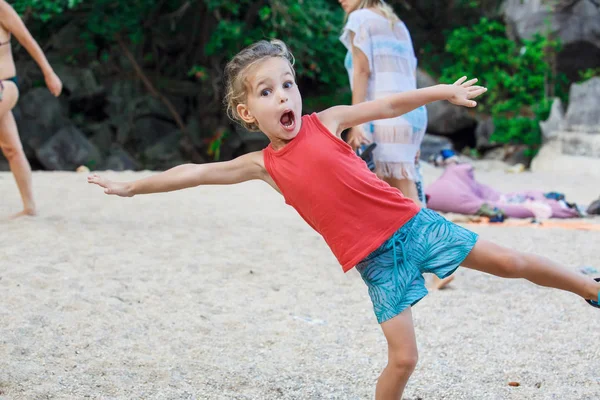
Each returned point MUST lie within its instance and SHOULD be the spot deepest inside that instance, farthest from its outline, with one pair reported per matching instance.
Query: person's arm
(13, 23)
(360, 73)
(240, 169)
(338, 118)
(360, 82)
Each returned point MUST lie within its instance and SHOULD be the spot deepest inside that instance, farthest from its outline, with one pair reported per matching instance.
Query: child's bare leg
(507, 263)
(402, 356)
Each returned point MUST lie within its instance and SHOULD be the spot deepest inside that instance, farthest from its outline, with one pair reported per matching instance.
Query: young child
(390, 241)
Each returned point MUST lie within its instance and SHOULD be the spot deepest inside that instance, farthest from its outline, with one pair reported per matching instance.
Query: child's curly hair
(235, 74)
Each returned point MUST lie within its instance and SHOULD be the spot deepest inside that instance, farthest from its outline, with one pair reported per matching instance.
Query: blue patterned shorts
(394, 272)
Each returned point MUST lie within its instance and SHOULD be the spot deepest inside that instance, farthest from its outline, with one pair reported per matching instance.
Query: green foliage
(310, 29)
(102, 18)
(198, 72)
(44, 10)
(107, 18)
(215, 143)
(589, 73)
(519, 77)
(430, 23)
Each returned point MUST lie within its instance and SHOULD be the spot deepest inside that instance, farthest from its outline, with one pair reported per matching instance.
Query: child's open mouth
(288, 121)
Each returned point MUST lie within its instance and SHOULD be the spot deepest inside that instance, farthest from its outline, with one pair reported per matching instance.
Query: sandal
(595, 303)
(366, 153)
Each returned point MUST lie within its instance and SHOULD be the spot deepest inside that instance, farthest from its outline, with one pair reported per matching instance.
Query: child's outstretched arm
(244, 168)
(339, 118)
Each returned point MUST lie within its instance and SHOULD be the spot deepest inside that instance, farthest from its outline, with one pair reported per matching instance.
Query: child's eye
(288, 84)
(265, 92)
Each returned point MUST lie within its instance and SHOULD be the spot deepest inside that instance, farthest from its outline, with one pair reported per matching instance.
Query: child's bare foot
(28, 212)
(439, 284)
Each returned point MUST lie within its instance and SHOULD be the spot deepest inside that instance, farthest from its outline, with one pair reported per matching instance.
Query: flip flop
(595, 303)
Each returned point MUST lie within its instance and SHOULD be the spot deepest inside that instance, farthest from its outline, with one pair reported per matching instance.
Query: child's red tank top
(335, 193)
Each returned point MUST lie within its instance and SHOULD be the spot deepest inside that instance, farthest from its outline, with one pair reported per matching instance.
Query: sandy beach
(223, 292)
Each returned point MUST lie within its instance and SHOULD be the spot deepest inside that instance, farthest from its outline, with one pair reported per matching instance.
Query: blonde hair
(382, 6)
(236, 84)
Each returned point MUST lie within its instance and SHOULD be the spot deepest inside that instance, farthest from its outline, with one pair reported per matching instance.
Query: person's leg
(13, 150)
(507, 263)
(402, 356)
(406, 186)
(437, 283)
(409, 189)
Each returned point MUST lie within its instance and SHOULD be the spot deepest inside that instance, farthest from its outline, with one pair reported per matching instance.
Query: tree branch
(140, 73)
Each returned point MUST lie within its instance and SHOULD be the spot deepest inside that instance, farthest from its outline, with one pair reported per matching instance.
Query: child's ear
(245, 114)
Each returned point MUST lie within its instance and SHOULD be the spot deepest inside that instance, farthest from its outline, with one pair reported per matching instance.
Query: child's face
(273, 100)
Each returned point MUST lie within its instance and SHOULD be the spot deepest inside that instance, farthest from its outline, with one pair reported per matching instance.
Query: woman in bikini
(11, 24)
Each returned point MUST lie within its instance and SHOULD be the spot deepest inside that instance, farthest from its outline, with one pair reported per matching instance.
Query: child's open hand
(110, 187)
(465, 91)
(357, 138)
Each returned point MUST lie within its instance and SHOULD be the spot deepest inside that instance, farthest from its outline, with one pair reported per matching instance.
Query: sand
(223, 292)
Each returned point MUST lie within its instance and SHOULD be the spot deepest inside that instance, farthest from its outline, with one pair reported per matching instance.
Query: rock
(517, 155)
(424, 79)
(578, 133)
(80, 83)
(137, 115)
(509, 154)
(432, 145)
(575, 23)
(483, 133)
(148, 130)
(149, 105)
(101, 135)
(195, 132)
(120, 96)
(164, 154)
(497, 153)
(444, 118)
(555, 122)
(584, 102)
(63, 39)
(594, 208)
(580, 144)
(39, 115)
(67, 150)
(551, 158)
(251, 141)
(230, 148)
(120, 160)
